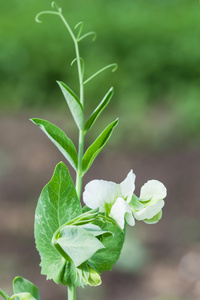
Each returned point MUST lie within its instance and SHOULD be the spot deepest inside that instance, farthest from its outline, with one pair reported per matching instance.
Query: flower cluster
(120, 203)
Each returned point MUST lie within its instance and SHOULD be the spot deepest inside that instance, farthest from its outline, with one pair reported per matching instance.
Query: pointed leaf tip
(93, 117)
(60, 140)
(74, 104)
(97, 146)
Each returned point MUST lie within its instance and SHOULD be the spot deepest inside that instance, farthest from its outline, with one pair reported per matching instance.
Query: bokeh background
(157, 98)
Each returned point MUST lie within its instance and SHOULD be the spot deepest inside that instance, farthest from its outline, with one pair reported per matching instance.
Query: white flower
(112, 198)
(150, 202)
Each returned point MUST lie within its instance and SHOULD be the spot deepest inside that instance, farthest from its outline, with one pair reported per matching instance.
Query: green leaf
(4, 295)
(97, 146)
(78, 243)
(155, 219)
(21, 285)
(59, 138)
(94, 229)
(105, 258)
(74, 104)
(58, 203)
(99, 109)
(22, 296)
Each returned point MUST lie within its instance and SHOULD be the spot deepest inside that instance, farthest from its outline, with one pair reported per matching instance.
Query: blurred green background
(156, 44)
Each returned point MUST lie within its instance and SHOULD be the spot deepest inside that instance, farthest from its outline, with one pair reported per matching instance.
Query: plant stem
(71, 292)
(4, 295)
(81, 88)
(81, 132)
(79, 171)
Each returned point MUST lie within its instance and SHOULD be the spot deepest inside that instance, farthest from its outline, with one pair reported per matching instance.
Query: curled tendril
(113, 66)
(80, 29)
(83, 64)
(55, 5)
(48, 12)
(86, 35)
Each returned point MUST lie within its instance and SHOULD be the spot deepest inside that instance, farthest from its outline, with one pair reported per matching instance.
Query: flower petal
(120, 211)
(154, 190)
(127, 186)
(155, 219)
(99, 192)
(149, 211)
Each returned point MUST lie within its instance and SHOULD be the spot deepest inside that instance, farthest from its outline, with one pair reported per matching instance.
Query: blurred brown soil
(27, 160)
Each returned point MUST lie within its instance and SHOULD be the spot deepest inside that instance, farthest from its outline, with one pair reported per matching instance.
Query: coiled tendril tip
(37, 18)
(55, 5)
(115, 67)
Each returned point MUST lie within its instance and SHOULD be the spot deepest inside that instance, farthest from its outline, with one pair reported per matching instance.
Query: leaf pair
(76, 107)
(63, 143)
(23, 290)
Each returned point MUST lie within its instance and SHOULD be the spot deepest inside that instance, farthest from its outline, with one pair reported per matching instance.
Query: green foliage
(21, 285)
(58, 203)
(73, 103)
(98, 110)
(92, 152)
(23, 290)
(22, 296)
(105, 258)
(59, 138)
(78, 243)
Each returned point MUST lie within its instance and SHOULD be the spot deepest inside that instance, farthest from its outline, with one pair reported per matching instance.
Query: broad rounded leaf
(99, 109)
(97, 146)
(78, 243)
(74, 104)
(58, 203)
(59, 138)
(21, 285)
(104, 259)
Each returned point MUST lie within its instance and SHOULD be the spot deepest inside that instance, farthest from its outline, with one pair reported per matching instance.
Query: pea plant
(77, 243)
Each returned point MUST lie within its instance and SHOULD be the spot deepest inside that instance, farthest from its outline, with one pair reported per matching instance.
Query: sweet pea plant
(77, 243)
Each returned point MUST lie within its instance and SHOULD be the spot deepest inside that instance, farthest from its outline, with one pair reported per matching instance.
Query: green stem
(4, 295)
(79, 170)
(81, 132)
(71, 293)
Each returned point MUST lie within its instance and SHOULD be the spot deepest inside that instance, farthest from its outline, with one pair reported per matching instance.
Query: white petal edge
(149, 211)
(121, 211)
(154, 190)
(99, 192)
(127, 186)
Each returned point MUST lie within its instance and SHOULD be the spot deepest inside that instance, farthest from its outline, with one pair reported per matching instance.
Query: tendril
(113, 66)
(48, 12)
(83, 64)
(55, 5)
(80, 30)
(86, 35)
